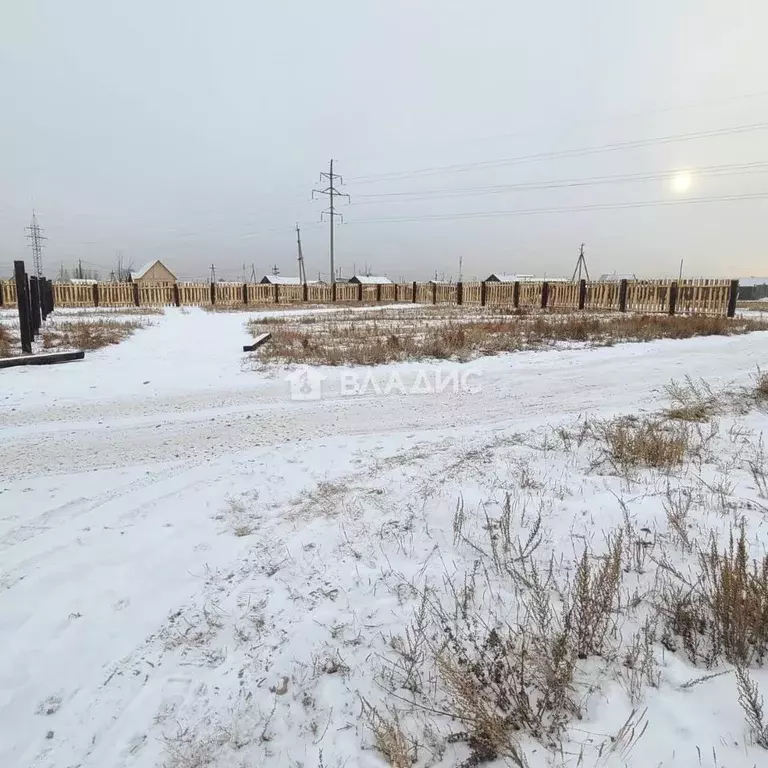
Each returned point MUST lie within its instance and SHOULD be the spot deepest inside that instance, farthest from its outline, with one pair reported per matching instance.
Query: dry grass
(761, 386)
(397, 334)
(390, 740)
(8, 342)
(88, 334)
(723, 613)
(692, 401)
(753, 706)
(629, 443)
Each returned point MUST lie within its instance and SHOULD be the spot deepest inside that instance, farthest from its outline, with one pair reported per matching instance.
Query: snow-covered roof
(747, 281)
(370, 279)
(82, 281)
(280, 280)
(139, 273)
(505, 277)
(609, 277)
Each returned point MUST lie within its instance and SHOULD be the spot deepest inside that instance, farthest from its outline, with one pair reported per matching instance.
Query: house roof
(139, 273)
(82, 281)
(609, 277)
(748, 281)
(281, 280)
(370, 279)
(504, 277)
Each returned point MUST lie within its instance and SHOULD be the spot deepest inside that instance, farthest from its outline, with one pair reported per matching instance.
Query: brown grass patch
(7, 342)
(88, 334)
(464, 333)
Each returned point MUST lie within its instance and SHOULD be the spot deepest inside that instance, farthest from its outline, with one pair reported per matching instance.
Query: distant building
(153, 273)
(280, 280)
(370, 280)
(82, 281)
(504, 277)
(753, 288)
(616, 277)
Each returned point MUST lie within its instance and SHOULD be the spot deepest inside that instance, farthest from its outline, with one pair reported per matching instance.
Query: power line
(36, 238)
(537, 211)
(596, 149)
(438, 194)
(331, 192)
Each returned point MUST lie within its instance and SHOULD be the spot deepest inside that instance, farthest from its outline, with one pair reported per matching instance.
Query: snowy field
(198, 570)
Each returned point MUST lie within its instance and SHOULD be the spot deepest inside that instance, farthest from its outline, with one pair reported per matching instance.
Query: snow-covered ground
(197, 570)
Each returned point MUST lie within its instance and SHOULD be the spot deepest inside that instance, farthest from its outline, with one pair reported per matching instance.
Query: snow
(132, 611)
(370, 279)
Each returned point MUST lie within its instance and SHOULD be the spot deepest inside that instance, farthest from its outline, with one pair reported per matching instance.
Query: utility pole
(461, 264)
(681, 269)
(253, 273)
(80, 268)
(213, 273)
(36, 237)
(275, 270)
(331, 192)
(302, 271)
(581, 262)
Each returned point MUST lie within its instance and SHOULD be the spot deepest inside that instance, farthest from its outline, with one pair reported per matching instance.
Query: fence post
(34, 304)
(459, 293)
(396, 287)
(378, 291)
(544, 294)
(359, 291)
(277, 293)
(582, 293)
(623, 295)
(176, 295)
(673, 298)
(516, 294)
(2, 293)
(482, 293)
(305, 292)
(22, 302)
(52, 297)
(43, 298)
(733, 295)
(95, 294)
(413, 297)
(135, 294)
(213, 293)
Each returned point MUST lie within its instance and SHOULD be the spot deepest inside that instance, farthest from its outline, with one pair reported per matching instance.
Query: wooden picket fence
(711, 297)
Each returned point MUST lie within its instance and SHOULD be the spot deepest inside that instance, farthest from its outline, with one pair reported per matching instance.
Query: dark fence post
(305, 292)
(582, 293)
(213, 293)
(34, 304)
(51, 299)
(136, 298)
(413, 297)
(378, 291)
(333, 292)
(2, 294)
(673, 289)
(483, 296)
(733, 295)
(41, 283)
(459, 293)
(176, 295)
(277, 293)
(396, 287)
(434, 292)
(95, 294)
(516, 294)
(544, 294)
(623, 295)
(359, 291)
(22, 302)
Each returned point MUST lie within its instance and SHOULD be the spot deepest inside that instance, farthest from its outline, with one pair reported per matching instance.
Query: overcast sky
(195, 131)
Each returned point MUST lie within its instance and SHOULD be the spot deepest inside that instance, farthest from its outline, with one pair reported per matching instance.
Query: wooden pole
(95, 294)
(516, 294)
(277, 293)
(623, 295)
(378, 291)
(359, 291)
(396, 287)
(459, 293)
(176, 295)
(434, 292)
(34, 303)
(22, 302)
(305, 292)
(582, 293)
(136, 296)
(413, 297)
(483, 290)
(673, 290)
(733, 295)
(333, 291)
(544, 294)
(213, 293)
